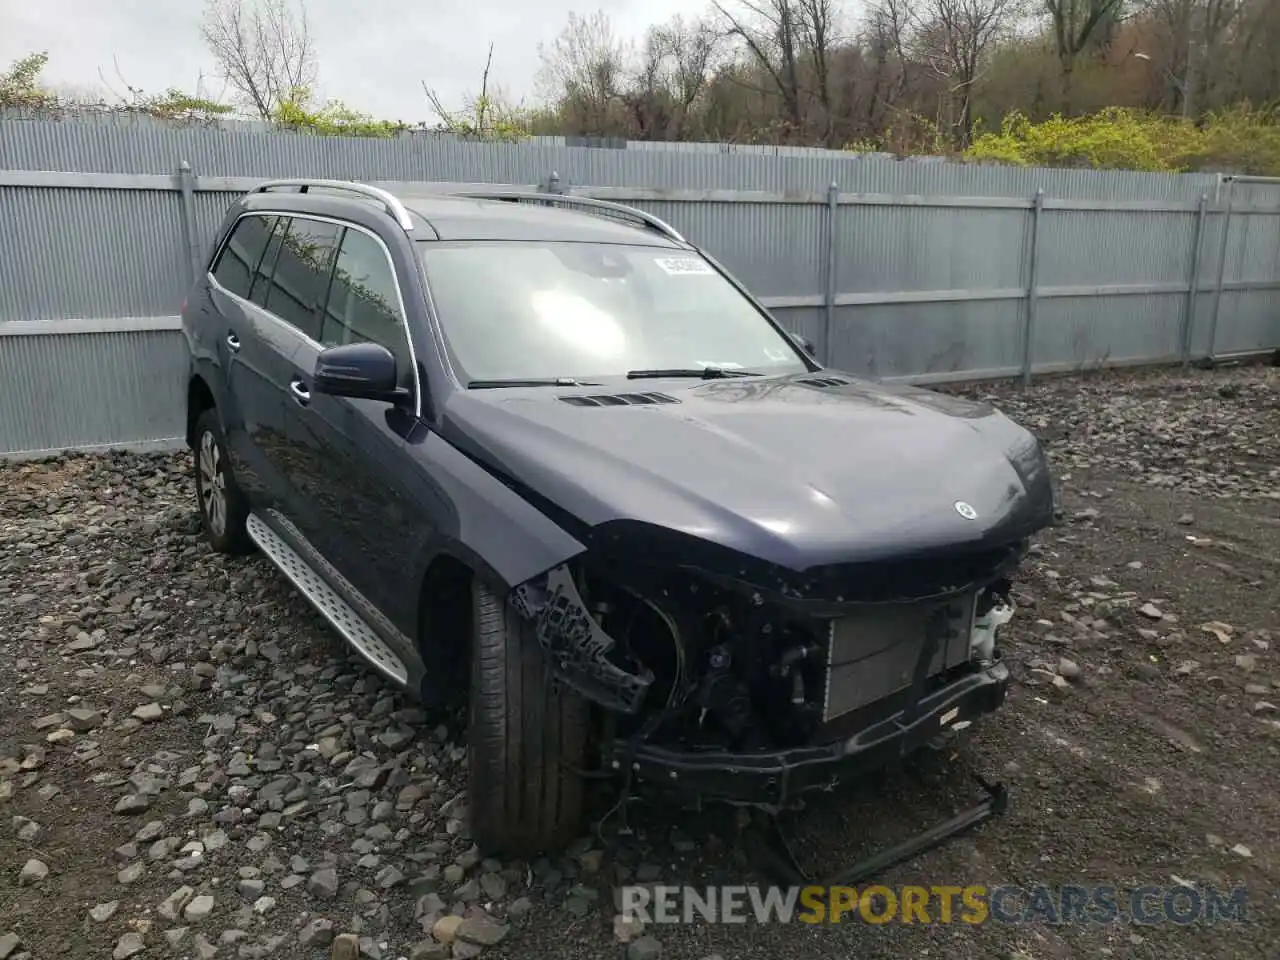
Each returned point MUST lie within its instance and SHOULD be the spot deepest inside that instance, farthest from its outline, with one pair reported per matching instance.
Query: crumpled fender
(578, 648)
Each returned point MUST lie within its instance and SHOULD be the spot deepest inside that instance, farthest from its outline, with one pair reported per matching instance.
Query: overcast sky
(373, 54)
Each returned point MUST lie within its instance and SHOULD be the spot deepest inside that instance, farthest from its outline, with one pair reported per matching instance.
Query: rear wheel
(223, 509)
(526, 737)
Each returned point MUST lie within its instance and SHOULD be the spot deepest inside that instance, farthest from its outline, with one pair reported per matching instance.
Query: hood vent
(618, 399)
(824, 382)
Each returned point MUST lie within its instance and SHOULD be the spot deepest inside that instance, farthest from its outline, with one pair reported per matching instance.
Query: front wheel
(223, 510)
(526, 737)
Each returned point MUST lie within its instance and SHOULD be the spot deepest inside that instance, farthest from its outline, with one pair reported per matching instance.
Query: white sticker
(684, 266)
(719, 364)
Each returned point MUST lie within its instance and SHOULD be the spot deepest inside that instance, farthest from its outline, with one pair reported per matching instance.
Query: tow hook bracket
(777, 862)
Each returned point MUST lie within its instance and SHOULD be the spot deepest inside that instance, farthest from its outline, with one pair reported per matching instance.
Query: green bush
(1240, 140)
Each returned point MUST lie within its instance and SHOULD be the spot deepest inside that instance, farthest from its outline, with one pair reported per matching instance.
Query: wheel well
(444, 621)
(199, 399)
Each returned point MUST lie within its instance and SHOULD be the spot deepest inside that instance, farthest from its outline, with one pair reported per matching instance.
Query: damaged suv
(544, 452)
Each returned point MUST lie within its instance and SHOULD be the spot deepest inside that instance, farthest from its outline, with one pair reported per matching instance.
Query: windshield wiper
(529, 382)
(704, 373)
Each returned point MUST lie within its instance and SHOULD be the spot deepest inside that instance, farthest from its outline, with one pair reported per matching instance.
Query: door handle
(300, 391)
(233, 341)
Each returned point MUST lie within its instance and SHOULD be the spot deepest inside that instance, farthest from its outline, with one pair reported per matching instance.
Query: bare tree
(691, 50)
(956, 38)
(771, 32)
(887, 32)
(585, 67)
(1075, 23)
(263, 49)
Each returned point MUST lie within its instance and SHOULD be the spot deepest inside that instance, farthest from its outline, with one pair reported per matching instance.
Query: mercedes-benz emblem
(966, 511)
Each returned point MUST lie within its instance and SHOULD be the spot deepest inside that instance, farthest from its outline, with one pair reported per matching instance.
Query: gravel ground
(191, 765)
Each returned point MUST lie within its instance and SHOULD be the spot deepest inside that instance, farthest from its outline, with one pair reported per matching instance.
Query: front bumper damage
(773, 780)
(953, 676)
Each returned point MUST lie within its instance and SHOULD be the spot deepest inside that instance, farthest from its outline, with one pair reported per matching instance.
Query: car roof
(467, 218)
(456, 217)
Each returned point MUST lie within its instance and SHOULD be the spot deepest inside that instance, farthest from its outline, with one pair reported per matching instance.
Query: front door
(357, 511)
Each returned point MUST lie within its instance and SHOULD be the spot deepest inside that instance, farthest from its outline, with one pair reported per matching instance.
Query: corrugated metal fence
(920, 270)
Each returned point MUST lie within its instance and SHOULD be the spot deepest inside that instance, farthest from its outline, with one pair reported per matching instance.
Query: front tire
(223, 508)
(526, 738)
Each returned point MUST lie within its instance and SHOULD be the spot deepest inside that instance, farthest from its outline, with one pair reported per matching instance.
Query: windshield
(524, 311)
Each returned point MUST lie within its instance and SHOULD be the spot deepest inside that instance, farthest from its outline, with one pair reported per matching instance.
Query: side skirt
(341, 615)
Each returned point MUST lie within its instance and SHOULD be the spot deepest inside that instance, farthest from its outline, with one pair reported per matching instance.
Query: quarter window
(301, 276)
(266, 267)
(240, 258)
(363, 303)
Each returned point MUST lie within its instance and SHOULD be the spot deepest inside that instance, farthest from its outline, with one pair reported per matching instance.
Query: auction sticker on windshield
(684, 266)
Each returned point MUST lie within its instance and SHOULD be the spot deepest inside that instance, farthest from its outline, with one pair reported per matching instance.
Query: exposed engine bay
(696, 662)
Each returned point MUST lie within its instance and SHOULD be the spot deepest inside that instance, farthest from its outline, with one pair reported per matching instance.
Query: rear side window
(363, 302)
(301, 275)
(242, 254)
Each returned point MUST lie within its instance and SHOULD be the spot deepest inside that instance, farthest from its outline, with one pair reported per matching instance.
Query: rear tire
(526, 737)
(223, 507)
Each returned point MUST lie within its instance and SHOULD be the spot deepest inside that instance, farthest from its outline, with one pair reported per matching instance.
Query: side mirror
(805, 343)
(364, 371)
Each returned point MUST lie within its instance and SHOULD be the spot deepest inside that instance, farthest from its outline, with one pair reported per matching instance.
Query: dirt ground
(192, 766)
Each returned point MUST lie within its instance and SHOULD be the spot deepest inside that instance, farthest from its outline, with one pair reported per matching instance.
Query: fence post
(833, 207)
(553, 183)
(186, 188)
(1193, 290)
(1222, 269)
(1029, 321)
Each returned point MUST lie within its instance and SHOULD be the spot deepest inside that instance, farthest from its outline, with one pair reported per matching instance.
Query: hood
(802, 471)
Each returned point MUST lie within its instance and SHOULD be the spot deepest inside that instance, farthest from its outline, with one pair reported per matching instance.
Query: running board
(324, 598)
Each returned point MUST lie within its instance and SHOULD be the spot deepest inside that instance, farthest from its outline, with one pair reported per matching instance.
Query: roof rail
(393, 205)
(589, 203)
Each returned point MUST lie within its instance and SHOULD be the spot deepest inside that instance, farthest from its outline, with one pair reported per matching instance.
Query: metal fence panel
(86, 390)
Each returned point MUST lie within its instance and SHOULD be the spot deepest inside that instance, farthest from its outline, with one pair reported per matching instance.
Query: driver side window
(363, 303)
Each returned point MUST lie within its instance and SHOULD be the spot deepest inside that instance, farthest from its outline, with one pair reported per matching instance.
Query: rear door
(356, 510)
(254, 404)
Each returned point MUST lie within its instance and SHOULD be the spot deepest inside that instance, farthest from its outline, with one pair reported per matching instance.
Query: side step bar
(324, 598)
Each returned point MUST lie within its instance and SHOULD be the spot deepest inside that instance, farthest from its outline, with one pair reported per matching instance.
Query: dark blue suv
(542, 453)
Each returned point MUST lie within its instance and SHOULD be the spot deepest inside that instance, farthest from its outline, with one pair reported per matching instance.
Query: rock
(1264, 706)
(104, 911)
(198, 908)
(133, 803)
(482, 931)
(176, 935)
(645, 948)
(1256, 690)
(446, 928)
(1068, 668)
(127, 946)
(346, 946)
(8, 944)
(1222, 631)
(1186, 519)
(172, 905)
(204, 949)
(82, 720)
(131, 874)
(465, 951)
(33, 871)
(1246, 661)
(148, 712)
(493, 885)
(264, 905)
(323, 884)
(1151, 611)
(251, 889)
(1241, 850)
(317, 933)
